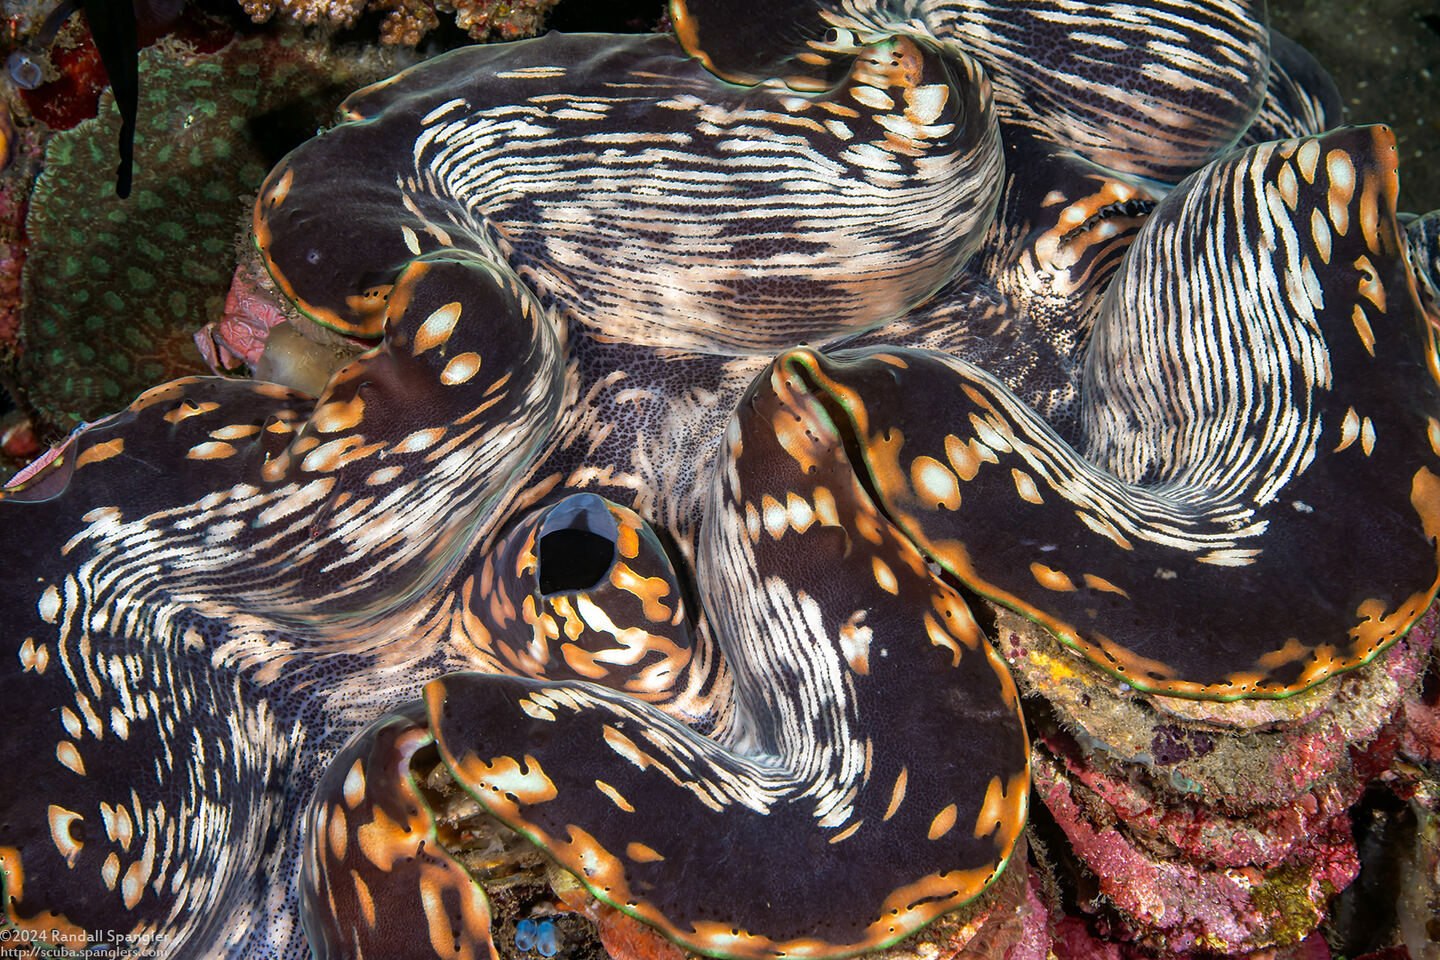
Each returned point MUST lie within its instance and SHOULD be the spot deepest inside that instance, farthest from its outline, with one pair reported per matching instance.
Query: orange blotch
(648, 590)
(100, 452)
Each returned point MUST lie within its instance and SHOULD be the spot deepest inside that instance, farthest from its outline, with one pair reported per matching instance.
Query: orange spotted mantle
(673, 484)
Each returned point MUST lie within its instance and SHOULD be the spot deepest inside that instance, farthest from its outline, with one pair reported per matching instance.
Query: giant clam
(723, 393)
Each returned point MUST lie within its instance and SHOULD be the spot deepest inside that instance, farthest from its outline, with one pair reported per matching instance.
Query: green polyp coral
(114, 289)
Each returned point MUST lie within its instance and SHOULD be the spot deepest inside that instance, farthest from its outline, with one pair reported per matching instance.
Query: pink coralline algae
(1181, 904)
(239, 336)
(1420, 738)
(1208, 827)
(1073, 940)
(259, 335)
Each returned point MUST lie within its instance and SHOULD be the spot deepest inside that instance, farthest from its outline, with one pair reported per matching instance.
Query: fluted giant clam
(704, 417)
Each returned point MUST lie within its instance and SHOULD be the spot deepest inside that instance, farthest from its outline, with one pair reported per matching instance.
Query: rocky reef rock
(1190, 825)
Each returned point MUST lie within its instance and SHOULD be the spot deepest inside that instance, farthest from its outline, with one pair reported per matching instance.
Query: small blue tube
(540, 936)
(547, 939)
(26, 72)
(525, 935)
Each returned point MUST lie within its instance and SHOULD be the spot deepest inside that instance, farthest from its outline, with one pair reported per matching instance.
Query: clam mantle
(715, 384)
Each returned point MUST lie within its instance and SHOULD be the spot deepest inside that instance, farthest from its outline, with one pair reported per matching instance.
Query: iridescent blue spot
(25, 69)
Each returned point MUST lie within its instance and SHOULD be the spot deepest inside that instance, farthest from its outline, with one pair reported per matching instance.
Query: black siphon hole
(573, 560)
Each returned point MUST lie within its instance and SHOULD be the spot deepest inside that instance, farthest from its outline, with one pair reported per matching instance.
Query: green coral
(114, 289)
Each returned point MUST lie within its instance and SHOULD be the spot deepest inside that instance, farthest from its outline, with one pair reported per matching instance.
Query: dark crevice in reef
(1364, 913)
(615, 16)
(1076, 888)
